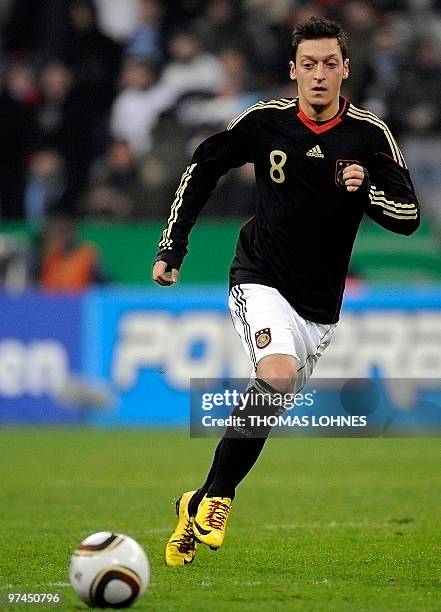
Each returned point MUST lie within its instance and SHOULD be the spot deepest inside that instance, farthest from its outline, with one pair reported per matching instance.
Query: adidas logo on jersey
(315, 152)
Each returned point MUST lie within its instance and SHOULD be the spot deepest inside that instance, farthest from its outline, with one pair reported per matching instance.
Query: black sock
(233, 459)
(197, 497)
(237, 457)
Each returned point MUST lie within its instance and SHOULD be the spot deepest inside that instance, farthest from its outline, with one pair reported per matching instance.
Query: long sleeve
(212, 159)
(392, 200)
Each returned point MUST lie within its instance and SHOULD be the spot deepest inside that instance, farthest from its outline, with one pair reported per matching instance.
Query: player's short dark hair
(316, 28)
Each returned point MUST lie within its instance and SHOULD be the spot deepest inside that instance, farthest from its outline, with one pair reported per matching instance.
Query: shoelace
(217, 514)
(186, 543)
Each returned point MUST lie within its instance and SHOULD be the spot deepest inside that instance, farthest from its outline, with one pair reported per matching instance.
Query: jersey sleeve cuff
(172, 259)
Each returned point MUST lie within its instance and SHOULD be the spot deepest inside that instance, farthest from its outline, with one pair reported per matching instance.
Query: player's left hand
(353, 177)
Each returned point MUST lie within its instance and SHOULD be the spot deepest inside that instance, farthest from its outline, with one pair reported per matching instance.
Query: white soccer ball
(109, 570)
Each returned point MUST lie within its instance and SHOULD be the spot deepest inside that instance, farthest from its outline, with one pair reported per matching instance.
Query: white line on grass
(331, 524)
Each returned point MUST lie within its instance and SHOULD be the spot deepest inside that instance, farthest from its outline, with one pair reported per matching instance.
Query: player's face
(319, 70)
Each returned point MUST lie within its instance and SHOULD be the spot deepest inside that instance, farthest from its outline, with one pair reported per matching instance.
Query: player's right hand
(353, 177)
(162, 277)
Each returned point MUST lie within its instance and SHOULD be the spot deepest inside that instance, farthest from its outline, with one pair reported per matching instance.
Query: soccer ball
(109, 570)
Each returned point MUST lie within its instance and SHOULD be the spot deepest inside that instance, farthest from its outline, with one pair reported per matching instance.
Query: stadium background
(101, 104)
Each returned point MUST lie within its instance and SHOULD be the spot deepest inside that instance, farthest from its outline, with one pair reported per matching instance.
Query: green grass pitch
(320, 524)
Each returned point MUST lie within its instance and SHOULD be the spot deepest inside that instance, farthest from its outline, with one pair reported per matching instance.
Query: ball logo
(263, 337)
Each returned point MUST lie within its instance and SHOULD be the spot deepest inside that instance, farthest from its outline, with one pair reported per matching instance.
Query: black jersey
(300, 239)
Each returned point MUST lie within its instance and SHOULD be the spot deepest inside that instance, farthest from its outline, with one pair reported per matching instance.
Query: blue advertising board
(144, 347)
(40, 339)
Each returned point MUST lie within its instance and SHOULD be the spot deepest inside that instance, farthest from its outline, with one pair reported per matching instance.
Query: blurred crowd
(102, 102)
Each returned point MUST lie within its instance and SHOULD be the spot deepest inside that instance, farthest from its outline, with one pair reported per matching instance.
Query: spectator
(92, 56)
(115, 184)
(383, 69)
(218, 110)
(191, 69)
(160, 170)
(45, 185)
(219, 26)
(237, 67)
(425, 18)
(56, 86)
(137, 107)
(21, 84)
(146, 41)
(118, 19)
(416, 114)
(64, 262)
(268, 26)
(106, 202)
(360, 21)
(116, 168)
(66, 122)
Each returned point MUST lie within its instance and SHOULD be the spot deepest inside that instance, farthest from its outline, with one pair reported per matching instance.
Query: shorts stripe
(241, 309)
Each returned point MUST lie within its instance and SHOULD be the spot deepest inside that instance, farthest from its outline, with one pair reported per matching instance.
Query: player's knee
(279, 371)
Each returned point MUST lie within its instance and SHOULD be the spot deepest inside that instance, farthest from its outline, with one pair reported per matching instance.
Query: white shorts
(267, 325)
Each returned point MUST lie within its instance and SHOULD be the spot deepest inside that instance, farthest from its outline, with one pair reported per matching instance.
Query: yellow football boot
(211, 519)
(181, 547)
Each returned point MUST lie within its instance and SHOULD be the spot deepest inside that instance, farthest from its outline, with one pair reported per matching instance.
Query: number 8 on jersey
(276, 172)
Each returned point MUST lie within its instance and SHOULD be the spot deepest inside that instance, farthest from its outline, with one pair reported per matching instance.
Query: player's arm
(212, 159)
(391, 197)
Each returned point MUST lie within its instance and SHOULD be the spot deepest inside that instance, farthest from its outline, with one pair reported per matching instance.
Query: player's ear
(292, 71)
(346, 68)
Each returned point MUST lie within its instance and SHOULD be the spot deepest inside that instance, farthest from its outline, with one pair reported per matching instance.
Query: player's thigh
(314, 338)
(263, 320)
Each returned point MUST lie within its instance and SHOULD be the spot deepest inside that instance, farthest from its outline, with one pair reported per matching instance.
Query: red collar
(326, 125)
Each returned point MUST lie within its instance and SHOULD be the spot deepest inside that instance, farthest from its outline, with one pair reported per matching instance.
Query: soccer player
(321, 163)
